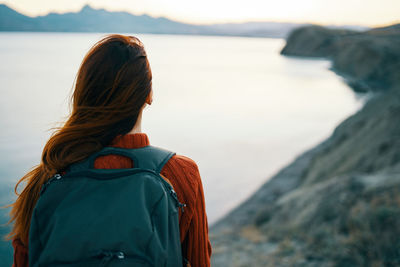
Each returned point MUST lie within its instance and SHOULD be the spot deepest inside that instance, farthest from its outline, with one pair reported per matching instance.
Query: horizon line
(239, 21)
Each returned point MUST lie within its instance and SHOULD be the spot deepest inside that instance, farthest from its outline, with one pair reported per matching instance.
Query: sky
(326, 12)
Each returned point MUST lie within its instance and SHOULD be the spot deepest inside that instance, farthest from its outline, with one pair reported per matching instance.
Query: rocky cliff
(337, 204)
(366, 59)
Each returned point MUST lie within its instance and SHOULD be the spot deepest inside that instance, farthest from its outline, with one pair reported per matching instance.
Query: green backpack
(108, 217)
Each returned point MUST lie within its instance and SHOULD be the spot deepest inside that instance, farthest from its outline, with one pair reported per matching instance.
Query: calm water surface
(234, 105)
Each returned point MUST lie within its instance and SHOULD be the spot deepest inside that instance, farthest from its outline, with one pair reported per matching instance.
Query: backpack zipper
(175, 196)
(56, 176)
(104, 257)
(107, 255)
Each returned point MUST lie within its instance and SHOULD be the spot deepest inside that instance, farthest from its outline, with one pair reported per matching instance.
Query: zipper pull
(182, 206)
(175, 196)
(56, 176)
(107, 255)
(120, 255)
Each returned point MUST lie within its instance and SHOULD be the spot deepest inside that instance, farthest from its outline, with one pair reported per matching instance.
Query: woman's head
(112, 86)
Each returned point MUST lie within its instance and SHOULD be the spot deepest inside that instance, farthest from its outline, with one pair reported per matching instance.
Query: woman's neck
(138, 126)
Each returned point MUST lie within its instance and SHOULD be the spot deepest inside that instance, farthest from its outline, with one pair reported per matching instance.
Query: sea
(234, 105)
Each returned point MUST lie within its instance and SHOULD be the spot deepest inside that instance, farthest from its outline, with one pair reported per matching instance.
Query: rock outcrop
(368, 60)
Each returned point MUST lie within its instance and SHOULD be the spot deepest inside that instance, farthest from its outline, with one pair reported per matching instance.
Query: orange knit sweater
(184, 175)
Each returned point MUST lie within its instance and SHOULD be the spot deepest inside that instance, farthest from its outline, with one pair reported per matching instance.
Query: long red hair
(111, 87)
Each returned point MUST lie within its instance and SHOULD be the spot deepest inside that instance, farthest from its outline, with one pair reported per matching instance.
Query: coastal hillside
(337, 204)
(368, 60)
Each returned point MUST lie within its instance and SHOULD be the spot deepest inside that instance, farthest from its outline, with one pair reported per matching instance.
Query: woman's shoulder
(184, 162)
(187, 165)
(184, 171)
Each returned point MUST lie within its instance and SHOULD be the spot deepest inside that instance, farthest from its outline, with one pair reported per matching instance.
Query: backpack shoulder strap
(148, 157)
(151, 158)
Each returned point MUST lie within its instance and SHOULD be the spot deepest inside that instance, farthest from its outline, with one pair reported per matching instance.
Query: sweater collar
(136, 140)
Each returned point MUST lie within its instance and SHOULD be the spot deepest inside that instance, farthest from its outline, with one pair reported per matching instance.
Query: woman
(113, 86)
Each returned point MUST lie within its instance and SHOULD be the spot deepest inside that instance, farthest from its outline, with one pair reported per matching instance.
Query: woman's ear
(149, 98)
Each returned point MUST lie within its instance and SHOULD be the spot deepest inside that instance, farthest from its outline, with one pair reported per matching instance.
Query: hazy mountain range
(89, 19)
